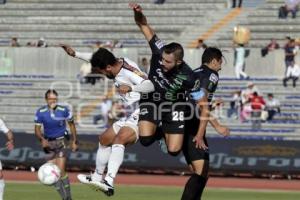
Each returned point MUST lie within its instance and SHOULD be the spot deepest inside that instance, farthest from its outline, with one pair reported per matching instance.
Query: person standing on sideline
(9, 146)
(53, 118)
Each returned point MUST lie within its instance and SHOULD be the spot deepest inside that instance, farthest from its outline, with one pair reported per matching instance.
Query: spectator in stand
(273, 45)
(293, 72)
(42, 43)
(246, 95)
(239, 62)
(145, 66)
(117, 44)
(201, 44)
(234, 3)
(14, 42)
(290, 52)
(248, 92)
(257, 104)
(235, 105)
(292, 7)
(31, 44)
(272, 106)
(159, 1)
(105, 107)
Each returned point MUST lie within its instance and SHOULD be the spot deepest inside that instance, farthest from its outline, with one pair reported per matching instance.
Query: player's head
(172, 55)
(51, 98)
(213, 58)
(102, 63)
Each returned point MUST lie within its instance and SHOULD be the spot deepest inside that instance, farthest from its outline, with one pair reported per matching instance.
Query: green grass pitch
(34, 191)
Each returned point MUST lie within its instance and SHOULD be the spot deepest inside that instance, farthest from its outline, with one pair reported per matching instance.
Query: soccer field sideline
(175, 181)
(170, 186)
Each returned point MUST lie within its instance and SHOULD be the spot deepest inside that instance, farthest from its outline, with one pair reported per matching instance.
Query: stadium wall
(248, 155)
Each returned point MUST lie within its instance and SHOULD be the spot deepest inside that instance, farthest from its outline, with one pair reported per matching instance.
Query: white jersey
(130, 74)
(3, 127)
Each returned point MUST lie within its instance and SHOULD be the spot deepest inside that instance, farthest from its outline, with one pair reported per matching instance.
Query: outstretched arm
(141, 21)
(221, 129)
(81, 55)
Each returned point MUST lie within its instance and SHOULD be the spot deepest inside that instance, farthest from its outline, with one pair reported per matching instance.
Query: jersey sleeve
(3, 127)
(68, 115)
(209, 83)
(38, 118)
(86, 56)
(203, 86)
(156, 45)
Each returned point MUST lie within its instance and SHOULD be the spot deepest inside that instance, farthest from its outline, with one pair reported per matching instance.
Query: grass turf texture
(34, 191)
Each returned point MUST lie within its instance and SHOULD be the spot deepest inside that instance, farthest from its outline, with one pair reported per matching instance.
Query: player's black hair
(50, 91)
(102, 58)
(174, 48)
(211, 53)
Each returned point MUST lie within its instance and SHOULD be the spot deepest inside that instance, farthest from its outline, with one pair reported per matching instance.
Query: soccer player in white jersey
(10, 146)
(130, 82)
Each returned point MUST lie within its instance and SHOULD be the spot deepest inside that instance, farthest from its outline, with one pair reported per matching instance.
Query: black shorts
(190, 152)
(169, 118)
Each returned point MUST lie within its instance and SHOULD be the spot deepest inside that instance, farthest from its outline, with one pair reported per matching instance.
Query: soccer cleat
(104, 187)
(86, 179)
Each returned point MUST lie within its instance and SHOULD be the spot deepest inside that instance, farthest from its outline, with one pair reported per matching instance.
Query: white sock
(102, 158)
(114, 163)
(1, 188)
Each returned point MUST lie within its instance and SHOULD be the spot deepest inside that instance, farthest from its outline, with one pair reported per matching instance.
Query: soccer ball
(49, 173)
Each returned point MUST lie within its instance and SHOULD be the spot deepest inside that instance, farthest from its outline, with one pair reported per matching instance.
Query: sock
(2, 185)
(67, 187)
(102, 158)
(59, 186)
(114, 163)
(194, 187)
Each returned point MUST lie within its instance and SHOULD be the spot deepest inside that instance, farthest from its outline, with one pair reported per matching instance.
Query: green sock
(59, 186)
(67, 187)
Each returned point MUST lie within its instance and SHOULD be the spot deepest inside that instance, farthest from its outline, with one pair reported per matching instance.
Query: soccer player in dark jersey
(53, 118)
(195, 146)
(171, 77)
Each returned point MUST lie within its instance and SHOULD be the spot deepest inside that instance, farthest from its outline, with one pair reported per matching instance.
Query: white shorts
(130, 121)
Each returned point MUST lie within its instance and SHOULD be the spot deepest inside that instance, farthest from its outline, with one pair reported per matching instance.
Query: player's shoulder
(129, 62)
(62, 108)
(204, 72)
(130, 68)
(42, 109)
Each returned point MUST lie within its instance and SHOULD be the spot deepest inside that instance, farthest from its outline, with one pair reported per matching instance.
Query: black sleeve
(156, 45)
(190, 82)
(210, 82)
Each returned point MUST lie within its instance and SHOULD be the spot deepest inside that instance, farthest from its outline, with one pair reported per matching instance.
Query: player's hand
(74, 146)
(69, 50)
(45, 143)
(10, 145)
(123, 89)
(135, 7)
(223, 130)
(200, 142)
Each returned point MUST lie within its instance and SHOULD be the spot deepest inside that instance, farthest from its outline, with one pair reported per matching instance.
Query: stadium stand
(20, 97)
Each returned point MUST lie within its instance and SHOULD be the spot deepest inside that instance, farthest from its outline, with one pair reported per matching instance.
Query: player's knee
(174, 153)
(147, 140)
